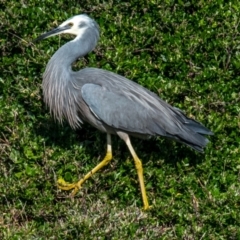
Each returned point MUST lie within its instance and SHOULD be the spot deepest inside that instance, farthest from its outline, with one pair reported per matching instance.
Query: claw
(62, 184)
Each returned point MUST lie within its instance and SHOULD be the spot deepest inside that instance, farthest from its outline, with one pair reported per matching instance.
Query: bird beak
(55, 31)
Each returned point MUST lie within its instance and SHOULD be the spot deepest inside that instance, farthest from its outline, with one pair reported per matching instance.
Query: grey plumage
(108, 101)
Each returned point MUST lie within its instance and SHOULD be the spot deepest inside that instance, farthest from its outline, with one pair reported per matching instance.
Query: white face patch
(78, 24)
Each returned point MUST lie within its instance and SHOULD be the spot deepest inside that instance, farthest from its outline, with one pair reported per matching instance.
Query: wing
(127, 106)
(120, 112)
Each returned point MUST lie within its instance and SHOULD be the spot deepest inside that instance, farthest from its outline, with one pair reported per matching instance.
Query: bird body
(108, 101)
(113, 103)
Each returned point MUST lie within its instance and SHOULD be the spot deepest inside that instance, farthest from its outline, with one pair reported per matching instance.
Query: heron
(109, 102)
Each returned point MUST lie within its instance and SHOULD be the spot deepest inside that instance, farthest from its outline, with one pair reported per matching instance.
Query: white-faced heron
(108, 101)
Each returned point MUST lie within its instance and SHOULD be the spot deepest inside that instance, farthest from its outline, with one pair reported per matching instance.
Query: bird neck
(77, 48)
(58, 78)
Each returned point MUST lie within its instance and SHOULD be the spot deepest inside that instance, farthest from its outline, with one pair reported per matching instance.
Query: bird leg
(76, 186)
(139, 168)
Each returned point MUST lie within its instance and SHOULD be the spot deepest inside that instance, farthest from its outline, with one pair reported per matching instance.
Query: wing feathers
(127, 106)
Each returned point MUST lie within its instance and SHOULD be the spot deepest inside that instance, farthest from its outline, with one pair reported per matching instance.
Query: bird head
(75, 25)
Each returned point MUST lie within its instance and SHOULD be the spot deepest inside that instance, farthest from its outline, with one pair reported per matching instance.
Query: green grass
(189, 55)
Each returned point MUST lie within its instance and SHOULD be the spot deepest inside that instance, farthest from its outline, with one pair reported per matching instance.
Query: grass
(188, 54)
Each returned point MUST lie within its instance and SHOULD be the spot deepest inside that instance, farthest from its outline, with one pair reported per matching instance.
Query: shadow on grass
(154, 153)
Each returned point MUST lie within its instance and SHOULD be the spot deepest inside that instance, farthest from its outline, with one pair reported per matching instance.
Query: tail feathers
(191, 124)
(192, 132)
(191, 139)
(195, 147)
(198, 127)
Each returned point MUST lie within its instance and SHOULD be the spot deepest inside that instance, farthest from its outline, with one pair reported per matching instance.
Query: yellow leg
(139, 168)
(76, 186)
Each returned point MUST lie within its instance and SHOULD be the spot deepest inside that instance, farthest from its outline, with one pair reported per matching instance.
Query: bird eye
(70, 24)
(82, 24)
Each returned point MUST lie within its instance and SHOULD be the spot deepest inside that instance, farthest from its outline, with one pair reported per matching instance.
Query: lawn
(188, 54)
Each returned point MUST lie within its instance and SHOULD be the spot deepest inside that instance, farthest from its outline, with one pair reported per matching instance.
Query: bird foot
(63, 185)
(146, 207)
